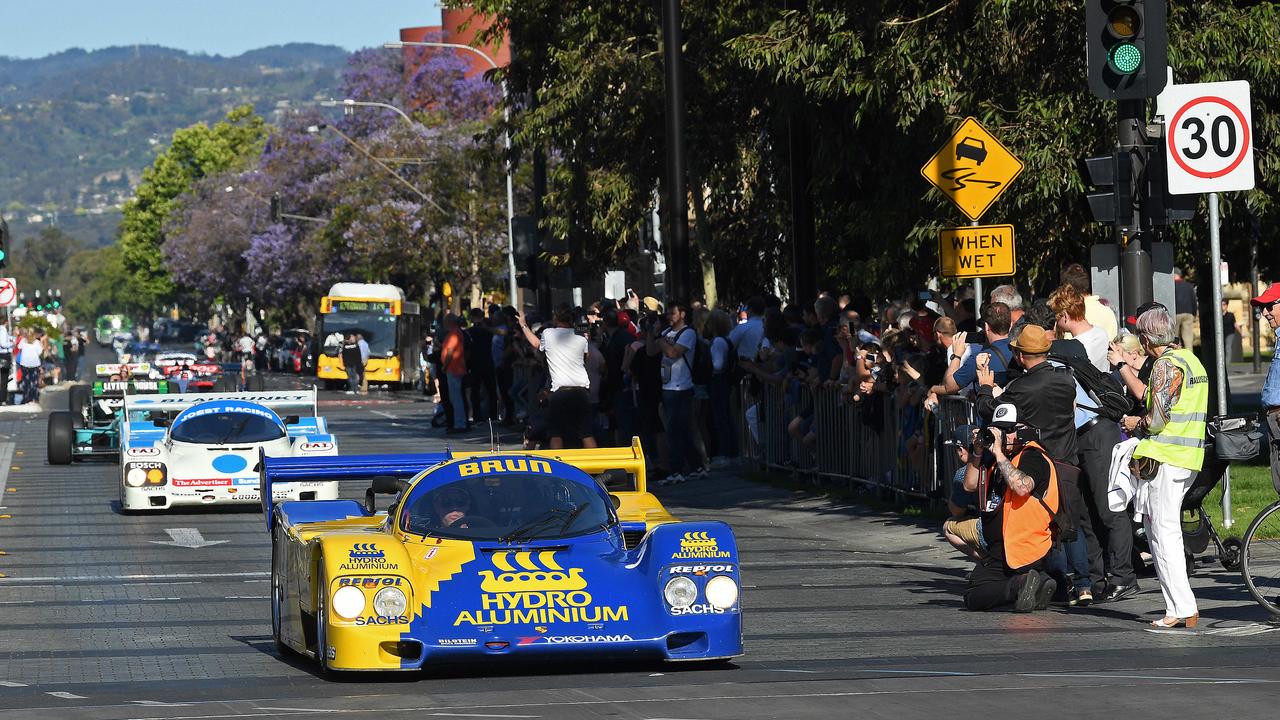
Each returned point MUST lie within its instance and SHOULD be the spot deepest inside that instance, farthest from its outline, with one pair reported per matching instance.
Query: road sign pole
(1220, 359)
(977, 289)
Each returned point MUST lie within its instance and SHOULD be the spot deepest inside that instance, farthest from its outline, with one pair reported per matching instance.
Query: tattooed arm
(1166, 388)
(1021, 483)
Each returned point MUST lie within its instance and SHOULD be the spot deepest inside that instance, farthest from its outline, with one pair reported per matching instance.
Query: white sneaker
(351, 392)
(673, 479)
(699, 474)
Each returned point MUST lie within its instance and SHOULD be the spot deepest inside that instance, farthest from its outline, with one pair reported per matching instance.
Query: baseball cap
(1005, 416)
(1268, 296)
(651, 304)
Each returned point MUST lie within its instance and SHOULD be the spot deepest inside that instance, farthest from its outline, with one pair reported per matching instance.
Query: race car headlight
(348, 602)
(680, 592)
(390, 602)
(135, 477)
(722, 592)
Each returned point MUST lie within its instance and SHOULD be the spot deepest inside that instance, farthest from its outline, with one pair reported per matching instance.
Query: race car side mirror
(617, 501)
(388, 485)
(290, 419)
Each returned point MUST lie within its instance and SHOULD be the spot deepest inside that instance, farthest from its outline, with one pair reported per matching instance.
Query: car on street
(204, 448)
(534, 555)
(90, 426)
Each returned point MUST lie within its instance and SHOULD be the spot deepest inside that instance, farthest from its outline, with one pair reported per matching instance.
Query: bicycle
(1260, 547)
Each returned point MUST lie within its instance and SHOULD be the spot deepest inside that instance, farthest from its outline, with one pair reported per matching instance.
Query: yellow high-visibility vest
(1181, 442)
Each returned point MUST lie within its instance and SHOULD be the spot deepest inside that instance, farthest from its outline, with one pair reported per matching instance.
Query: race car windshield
(508, 507)
(377, 329)
(227, 427)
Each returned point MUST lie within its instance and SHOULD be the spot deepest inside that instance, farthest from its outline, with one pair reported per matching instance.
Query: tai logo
(696, 545)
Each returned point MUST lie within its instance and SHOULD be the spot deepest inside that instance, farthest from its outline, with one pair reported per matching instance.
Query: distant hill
(78, 127)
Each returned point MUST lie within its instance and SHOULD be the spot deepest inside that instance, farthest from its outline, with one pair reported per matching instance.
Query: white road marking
(478, 715)
(810, 672)
(247, 597)
(82, 578)
(158, 598)
(1146, 677)
(66, 695)
(255, 581)
(136, 584)
(158, 703)
(10, 683)
(187, 538)
(385, 414)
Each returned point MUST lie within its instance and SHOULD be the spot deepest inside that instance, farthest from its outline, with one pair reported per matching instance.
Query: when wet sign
(977, 251)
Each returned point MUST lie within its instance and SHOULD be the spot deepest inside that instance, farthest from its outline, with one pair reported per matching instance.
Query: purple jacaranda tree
(438, 85)
(209, 233)
(372, 75)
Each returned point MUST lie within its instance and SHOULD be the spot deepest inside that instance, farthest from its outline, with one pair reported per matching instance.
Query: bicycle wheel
(1260, 561)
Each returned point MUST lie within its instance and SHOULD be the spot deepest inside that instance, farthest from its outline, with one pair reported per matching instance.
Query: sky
(35, 28)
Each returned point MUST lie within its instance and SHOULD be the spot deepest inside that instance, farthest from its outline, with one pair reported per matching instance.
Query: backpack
(1109, 397)
(701, 369)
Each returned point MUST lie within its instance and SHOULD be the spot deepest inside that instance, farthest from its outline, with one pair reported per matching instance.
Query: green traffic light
(1125, 58)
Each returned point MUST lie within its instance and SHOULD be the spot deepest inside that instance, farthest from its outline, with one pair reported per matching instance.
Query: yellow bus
(390, 324)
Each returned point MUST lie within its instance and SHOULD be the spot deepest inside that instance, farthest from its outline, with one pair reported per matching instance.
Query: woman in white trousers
(1172, 433)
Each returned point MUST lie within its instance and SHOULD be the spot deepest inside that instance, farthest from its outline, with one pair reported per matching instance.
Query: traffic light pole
(1135, 261)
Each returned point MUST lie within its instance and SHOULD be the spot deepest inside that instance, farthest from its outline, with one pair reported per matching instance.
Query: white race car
(201, 449)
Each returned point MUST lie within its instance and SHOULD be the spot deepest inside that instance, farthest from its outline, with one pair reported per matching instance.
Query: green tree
(197, 151)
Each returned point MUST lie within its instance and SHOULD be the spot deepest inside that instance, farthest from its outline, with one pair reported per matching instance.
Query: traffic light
(1127, 48)
(1111, 175)
(276, 212)
(524, 232)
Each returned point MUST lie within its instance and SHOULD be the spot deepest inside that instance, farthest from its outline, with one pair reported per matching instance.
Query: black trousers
(1115, 529)
(991, 584)
(483, 386)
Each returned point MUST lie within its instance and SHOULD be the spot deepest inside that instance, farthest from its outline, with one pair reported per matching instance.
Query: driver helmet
(451, 498)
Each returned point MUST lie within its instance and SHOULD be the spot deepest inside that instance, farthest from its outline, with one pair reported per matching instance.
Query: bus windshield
(377, 328)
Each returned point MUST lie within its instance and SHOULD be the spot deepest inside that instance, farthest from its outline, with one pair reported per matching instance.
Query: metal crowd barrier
(876, 442)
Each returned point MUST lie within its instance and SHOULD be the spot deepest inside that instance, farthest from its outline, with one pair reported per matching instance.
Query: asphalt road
(847, 613)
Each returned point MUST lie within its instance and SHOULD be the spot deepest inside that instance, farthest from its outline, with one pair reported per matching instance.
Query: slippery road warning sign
(972, 168)
(977, 251)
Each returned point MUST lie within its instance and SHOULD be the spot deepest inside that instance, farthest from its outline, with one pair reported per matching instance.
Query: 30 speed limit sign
(1208, 137)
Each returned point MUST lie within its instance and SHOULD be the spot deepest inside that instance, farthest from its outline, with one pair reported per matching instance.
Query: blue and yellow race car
(547, 554)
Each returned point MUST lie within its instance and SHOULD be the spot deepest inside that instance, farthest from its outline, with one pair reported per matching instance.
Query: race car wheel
(78, 398)
(61, 438)
(322, 620)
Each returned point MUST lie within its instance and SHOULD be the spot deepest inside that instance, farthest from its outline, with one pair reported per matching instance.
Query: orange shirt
(451, 355)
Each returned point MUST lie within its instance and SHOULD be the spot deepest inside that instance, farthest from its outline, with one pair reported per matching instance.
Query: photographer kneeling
(1006, 459)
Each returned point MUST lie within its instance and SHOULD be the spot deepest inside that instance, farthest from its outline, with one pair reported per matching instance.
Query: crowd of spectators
(690, 382)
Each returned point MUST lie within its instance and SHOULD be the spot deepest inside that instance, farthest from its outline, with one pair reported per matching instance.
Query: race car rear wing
(276, 400)
(105, 370)
(619, 469)
(273, 470)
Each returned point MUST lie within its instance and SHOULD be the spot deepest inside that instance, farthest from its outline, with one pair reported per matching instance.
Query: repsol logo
(369, 582)
(380, 620)
(700, 569)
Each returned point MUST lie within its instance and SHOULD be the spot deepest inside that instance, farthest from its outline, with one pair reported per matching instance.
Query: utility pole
(677, 241)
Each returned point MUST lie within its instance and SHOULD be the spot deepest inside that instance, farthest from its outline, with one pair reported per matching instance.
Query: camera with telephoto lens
(985, 437)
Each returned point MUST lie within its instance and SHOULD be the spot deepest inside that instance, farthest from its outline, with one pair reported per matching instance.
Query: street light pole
(506, 142)
(349, 103)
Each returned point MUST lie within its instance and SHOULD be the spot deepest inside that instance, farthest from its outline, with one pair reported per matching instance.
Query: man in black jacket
(1044, 395)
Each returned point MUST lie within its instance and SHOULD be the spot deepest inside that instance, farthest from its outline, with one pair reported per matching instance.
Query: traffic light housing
(276, 212)
(4, 242)
(1112, 176)
(524, 230)
(1127, 48)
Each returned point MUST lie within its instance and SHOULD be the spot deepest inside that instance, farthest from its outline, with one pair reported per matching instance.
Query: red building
(460, 27)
